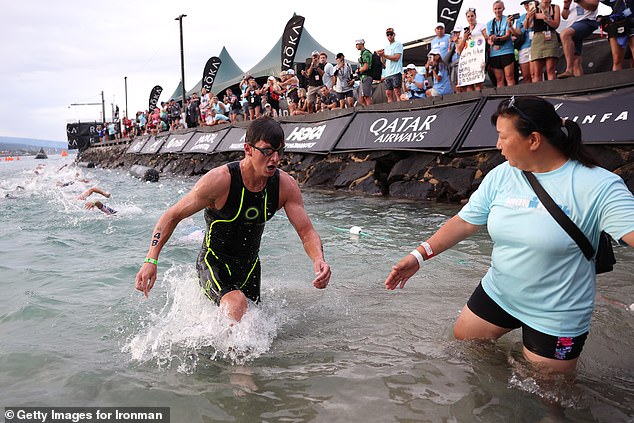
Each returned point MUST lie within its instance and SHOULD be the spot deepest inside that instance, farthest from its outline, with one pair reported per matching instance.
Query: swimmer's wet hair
(265, 129)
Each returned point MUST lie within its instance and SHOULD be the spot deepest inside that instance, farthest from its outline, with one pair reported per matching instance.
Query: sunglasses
(267, 152)
(510, 104)
(471, 9)
(389, 34)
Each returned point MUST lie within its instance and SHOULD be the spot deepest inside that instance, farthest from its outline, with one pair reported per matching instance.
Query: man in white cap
(365, 64)
(441, 41)
(314, 73)
(392, 56)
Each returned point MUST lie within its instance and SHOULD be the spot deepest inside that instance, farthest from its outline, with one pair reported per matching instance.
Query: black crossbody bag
(604, 261)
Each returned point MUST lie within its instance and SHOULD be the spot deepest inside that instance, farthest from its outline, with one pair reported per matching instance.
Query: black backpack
(377, 67)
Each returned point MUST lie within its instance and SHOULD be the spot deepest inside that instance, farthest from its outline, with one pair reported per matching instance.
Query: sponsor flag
(448, 13)
(154, 97)
(209, 74)
(290, 40)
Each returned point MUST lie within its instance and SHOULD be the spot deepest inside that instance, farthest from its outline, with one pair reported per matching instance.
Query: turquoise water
(74, 332)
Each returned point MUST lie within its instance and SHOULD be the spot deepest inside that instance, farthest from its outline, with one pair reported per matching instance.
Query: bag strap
(564, 221)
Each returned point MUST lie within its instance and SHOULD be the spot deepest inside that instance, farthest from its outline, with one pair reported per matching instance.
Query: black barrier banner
(176, 142)
(209, 74)
(82, 135)
(448, 13)
(429, 129)
(153, 145)
(319, 137)
(137, 145)
(290, 40)
(154, 97)
(205, 142)
(603, 118)
(233, 141)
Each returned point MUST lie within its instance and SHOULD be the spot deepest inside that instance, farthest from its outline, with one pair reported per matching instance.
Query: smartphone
(466, 29)
(515, 16)
(531, 5)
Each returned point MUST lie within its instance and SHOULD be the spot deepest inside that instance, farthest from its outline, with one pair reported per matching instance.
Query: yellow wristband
(151, 260)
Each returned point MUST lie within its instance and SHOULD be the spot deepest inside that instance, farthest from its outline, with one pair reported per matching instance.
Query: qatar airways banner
(604, 118)
(319, 137)
(205, 142)
(425, 130)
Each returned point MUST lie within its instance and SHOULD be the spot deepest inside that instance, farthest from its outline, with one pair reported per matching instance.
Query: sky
(55, 54)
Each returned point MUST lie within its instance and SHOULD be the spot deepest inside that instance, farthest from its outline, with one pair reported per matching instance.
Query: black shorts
(344, 95)
(219, 275)
(548, 346)
(500, 62)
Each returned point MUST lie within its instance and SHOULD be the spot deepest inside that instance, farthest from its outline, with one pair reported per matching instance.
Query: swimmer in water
(99, 205)
(93, 190)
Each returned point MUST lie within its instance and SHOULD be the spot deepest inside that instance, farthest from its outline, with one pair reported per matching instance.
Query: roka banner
(154, 97)
(448, 13)
(290, 40)
(209, 74)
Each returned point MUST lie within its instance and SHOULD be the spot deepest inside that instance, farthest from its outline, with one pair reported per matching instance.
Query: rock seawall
(399, 174)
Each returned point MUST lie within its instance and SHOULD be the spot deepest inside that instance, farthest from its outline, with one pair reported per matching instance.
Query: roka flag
(209, 74)
(448, 13)
(154, 97)
(290, 40)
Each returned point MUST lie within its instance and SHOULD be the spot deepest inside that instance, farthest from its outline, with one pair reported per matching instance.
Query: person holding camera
(544, 18)
(437, 69)
(314, 73)
(501, 53)
(583, 16)
(343, 82)
(619, 26)
(414, 83)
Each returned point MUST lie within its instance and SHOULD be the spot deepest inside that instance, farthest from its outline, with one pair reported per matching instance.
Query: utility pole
(103, 108)
(180, 21)
(125, 79)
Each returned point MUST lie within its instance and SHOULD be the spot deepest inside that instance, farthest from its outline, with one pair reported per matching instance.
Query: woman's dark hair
(265, 129)
(534, 114)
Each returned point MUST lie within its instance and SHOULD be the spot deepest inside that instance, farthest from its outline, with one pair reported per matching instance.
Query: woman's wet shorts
(219, 275)
(548, 346)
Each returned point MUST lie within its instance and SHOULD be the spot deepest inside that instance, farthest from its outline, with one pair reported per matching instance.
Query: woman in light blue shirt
(539, 279)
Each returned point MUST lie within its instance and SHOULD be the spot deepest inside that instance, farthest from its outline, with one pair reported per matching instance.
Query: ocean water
(74, 332)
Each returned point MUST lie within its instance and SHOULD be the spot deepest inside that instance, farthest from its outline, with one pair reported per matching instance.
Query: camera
(515, 16)
(497, 41)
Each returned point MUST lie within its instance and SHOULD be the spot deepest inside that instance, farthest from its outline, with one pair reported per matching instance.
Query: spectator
(273, 92)
(193, 111)
(218, 106)
(344, 83)
(620, 29)
(231, 100)
(544, 20)
(584, 23)
(205, 103)
(327, 99)
(314, 73)
(112, 131)
(454, 59)
(414, 83)
(501, 53)
(215, 118)
(365, 64)
(254, 100)
(391, 56)
(523, 34)
(470, 32)
(141, 118)
(177, 123)
(175, 111)
(290, 83)
(329, 70)
(439, 73)
(441, 42)
(302, 103)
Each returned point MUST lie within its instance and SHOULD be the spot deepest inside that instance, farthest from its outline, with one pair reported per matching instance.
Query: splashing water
(189, 327)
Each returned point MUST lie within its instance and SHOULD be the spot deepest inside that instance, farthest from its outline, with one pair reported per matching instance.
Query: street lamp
(180, 21)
